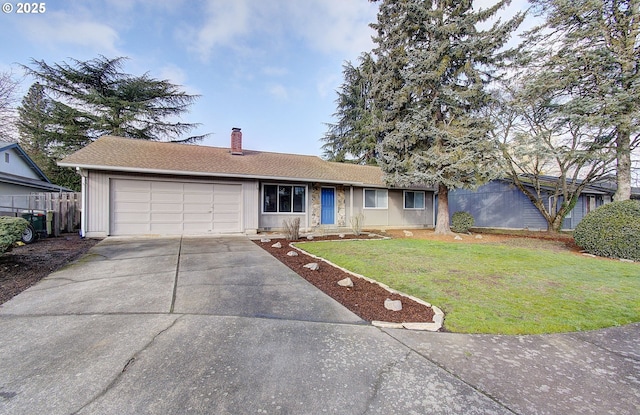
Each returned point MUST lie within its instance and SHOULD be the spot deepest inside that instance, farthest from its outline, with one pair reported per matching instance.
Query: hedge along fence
(66, 208)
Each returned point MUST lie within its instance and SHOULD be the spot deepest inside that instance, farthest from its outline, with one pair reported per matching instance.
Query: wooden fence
(66, 208)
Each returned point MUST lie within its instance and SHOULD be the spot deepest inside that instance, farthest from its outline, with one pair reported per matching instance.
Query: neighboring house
(19, 175)
(137, 187)
(500, 204)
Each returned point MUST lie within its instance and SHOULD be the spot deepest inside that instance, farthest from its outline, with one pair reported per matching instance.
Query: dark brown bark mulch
(365, 299)
(24, 266)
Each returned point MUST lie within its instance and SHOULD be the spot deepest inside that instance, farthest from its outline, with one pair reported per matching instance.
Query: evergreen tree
(8, 86)
(46, 143)
(352, 138)
(94, 98)
(72, 105)
(588, 54)
(432, 67)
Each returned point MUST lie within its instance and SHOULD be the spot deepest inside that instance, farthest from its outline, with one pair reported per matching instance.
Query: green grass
(491, 288)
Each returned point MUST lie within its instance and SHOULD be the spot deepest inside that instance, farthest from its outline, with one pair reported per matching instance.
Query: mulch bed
(365, 299)
(25, 265)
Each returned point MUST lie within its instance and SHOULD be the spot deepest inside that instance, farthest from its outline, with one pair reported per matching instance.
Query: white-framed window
(376, 198)
(551, 199)
(279, 198)
(591, 204)
(413, 200)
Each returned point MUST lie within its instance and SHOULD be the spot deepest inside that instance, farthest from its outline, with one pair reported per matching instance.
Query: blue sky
(270, 67)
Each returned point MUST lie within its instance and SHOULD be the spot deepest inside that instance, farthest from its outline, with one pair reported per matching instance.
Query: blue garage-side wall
(498, 204)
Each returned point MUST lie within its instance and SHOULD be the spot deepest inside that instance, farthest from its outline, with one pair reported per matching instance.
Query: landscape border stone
(438, 318)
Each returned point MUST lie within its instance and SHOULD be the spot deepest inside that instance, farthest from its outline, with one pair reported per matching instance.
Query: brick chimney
(236, 141)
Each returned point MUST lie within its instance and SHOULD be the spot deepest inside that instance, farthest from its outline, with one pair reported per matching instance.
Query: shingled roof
(130, 155)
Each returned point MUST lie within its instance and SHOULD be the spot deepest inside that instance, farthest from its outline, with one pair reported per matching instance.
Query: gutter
(219, 175)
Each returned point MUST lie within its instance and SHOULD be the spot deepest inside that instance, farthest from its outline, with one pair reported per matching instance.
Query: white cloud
(177, 76)
(275, 71)
(62, 28)
(225, 22)
(278, 91)
(336, 25)
(328, 85)
(329, 26)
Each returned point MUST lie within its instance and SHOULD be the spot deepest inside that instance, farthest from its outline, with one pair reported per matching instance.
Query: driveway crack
(126, 367)
(380, 379)
(450, 372)
(175, 281)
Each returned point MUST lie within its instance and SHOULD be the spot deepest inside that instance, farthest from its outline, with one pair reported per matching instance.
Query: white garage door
(175, 208)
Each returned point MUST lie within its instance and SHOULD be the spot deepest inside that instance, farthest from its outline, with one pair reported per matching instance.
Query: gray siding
(497, 204)
(16, 165)
(500, 204)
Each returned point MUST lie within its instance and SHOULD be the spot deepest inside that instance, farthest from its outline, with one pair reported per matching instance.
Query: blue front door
(327, 206)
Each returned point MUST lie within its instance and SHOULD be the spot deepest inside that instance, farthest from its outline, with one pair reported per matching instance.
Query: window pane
(418, 200)
(270, 198)
(370, 198)
(284, 198)
(381, 199)
(298, 199)
(408, 200)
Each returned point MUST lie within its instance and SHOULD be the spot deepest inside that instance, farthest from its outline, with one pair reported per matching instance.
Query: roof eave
(213, 174)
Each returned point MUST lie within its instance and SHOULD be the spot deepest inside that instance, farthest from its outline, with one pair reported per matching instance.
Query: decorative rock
(393, 305)
(458, 238)
(277, 245)
(408, 233)
(346, 283)
(478, 236)
(341, 236)
(313, 266)
(310, 237)
(590, 255)
(386, 325)
(292, 253)
(265, 240)
(626, 260)
(422, 326)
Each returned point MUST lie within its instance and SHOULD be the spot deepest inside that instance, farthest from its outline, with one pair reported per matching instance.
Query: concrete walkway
(218, 326)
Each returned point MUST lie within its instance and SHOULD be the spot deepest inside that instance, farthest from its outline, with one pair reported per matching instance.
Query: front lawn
(495, 288)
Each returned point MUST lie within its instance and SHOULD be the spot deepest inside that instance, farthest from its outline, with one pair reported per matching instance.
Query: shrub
(11, 230)
(291, 228)
(461, 222)
(612, 230)
(356, 224)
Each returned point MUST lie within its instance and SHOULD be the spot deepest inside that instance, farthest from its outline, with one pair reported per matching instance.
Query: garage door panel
(159, 217)
(132, 196)
(131, 229)
(198, 198)
(133, 186)
(167, 187)
(133, 207)
(198, 208)
(164, 228)
(166, 197)
(225, 217)
(133, 217)
(166, 207)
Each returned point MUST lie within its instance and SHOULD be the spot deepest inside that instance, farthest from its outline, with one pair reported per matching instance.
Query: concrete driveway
(218, 326)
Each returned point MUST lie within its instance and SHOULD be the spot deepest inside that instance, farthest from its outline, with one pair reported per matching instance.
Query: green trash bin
(37, 226)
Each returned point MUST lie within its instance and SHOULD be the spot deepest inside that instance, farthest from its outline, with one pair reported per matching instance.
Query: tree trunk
(623, 170)
(442, 221)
